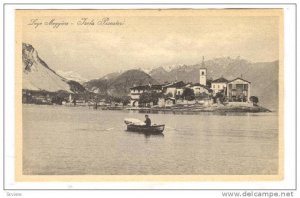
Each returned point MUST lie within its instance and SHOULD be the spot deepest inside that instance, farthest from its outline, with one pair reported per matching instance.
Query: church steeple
(202, 71)
(202, 64)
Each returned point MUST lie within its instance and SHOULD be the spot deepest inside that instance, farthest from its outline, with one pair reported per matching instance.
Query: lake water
(60, 140)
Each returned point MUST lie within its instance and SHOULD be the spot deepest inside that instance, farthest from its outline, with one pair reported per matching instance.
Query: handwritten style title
(58, 23)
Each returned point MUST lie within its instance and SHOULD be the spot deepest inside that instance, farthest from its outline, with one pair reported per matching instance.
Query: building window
(202, 73)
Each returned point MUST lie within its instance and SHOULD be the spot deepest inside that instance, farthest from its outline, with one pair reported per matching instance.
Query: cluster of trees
(223, 98)
(188, 94)
(45, 97)
(150, 97)
(254, 100)
(92, 97)
(118, 99)
(153, 97)
(220, 96)
(145, 98)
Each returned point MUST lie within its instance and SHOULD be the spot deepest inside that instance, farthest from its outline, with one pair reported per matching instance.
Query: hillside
(118, 85)
(38, 76)
(121, 84)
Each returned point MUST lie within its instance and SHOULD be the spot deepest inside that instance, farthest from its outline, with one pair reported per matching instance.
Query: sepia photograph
(178, 94)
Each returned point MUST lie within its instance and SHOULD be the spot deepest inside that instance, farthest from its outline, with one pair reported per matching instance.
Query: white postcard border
(289, 105)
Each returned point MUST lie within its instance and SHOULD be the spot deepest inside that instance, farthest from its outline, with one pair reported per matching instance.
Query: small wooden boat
(138, 126)
(146, 129)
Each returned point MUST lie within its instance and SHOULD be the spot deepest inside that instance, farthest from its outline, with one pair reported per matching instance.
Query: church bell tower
(203, 76)
(203, 73)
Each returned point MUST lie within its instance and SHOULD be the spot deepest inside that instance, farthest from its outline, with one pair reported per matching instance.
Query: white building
(199, 89)
(238, 90)
(136, 92)
(174, 89)
(219, 85)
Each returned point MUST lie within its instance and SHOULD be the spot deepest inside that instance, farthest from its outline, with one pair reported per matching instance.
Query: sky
(149, 41)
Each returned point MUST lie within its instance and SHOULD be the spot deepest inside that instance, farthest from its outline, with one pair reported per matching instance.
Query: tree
(169, 95)
(188, 94)
(201, 96)
(148, 97)
(221, 96)
(59, 97)
(126, 100)
(254, 100)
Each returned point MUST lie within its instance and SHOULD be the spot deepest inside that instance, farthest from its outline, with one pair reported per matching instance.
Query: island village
(206, 95)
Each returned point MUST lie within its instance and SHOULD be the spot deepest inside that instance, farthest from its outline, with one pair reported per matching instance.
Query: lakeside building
(238, 90)
(200, 89)
(166, 102)
(219, 85)
(174, 89)
(137, 91)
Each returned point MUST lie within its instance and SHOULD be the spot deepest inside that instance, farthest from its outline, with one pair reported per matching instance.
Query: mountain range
(263, 77)
(37, 75)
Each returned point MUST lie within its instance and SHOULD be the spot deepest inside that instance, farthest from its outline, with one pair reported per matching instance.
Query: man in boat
(147, 121)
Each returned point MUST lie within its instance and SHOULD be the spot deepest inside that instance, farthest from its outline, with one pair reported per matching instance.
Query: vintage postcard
(149, 95)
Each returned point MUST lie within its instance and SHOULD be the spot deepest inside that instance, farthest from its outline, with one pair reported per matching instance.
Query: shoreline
(220, 109)
(176, 109)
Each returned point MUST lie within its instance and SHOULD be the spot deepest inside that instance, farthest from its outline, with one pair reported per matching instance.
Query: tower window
(202, 73)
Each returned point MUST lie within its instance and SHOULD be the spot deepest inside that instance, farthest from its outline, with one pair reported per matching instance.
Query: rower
(147, 121)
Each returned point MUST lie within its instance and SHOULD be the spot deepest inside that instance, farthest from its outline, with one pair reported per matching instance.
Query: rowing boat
(138, 126)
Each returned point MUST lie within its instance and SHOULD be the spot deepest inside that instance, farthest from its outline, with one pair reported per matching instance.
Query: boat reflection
(147, 135)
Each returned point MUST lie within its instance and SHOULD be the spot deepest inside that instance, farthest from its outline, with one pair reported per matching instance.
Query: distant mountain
(263, 76)
(118, 85)
(98, 85)
(161, 75)
(121, 84)
(71, 76)
(37, 75)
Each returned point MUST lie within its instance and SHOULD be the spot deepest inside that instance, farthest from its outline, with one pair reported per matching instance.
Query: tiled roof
(220, 80)
(175, 85)
(239, 79)
(144, 87)
(198, 84)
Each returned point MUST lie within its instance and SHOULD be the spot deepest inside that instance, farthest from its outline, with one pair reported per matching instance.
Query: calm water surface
(61, 140)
